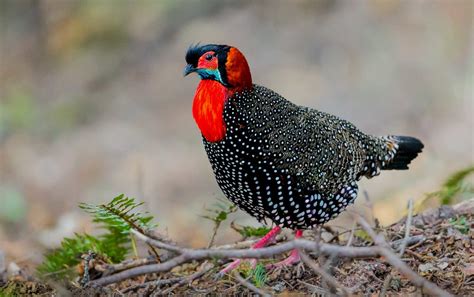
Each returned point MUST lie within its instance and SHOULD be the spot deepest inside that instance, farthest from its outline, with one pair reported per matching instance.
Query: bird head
(222, 63)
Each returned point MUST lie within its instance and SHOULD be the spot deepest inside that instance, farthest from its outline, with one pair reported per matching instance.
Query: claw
(231, 266)
(264, 241)
(253, 263)
(294, 258)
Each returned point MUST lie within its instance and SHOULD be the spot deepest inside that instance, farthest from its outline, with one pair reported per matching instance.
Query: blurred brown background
(93, 102)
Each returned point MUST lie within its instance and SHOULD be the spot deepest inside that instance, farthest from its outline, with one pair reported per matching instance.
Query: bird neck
(208, 109)
(238, 71)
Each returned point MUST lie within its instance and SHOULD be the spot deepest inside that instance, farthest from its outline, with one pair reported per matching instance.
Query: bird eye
(209, 57)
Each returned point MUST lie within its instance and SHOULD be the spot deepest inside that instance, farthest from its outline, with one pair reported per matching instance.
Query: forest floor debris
(440, 248)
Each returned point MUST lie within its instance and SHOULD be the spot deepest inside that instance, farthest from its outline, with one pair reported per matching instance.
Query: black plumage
(295, 165)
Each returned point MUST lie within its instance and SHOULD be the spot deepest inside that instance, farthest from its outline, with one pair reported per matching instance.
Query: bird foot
(294, 258)
(263, 242)
(236, 263)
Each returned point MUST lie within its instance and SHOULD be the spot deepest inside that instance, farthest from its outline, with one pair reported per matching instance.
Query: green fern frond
(220, 211)
(61, 262)
(117, 217)
(454, 186)
(120, 215)
(460, 223)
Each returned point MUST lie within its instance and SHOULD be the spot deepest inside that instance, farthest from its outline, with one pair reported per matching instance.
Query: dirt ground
(442, 252)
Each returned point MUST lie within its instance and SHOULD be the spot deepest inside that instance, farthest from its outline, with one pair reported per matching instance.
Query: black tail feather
(408, 149)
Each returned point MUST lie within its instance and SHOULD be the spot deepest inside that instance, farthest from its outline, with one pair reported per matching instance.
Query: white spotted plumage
(293, 165)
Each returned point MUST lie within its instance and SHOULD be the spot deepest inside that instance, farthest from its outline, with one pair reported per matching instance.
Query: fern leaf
(61, 262)
(117, 217)
(120, 215)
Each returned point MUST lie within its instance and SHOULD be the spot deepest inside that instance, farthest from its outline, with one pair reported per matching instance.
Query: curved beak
(188, 69)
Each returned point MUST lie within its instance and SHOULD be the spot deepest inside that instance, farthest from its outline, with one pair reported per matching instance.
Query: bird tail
(402, 150)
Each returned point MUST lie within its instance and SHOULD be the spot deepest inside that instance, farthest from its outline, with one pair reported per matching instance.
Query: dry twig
(205, 268)
(248, 243)
(114, 268)
(395, 261)
(182, 255)
(407, 227)
(315, 289)
(187, 255)
(214, 233)
(177, 281)
(324, 275)
(154, 283)
(351, 236)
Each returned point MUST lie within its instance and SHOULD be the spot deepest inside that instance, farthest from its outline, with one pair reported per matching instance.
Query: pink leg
(293, 258)
(263, 242)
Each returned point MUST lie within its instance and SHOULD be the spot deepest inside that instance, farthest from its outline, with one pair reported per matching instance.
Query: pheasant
(292, 165)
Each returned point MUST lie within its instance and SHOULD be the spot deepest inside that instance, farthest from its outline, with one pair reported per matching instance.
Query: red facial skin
(211, 95)
(204, 63)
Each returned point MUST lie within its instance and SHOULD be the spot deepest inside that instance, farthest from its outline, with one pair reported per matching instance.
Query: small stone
(279, 287)
(13, 270)
(442, 265)
(426, 267)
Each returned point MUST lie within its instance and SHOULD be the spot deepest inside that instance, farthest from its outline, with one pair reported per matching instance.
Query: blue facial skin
(210, 74)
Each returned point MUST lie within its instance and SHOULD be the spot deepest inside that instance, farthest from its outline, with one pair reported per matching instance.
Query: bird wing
(323, 152)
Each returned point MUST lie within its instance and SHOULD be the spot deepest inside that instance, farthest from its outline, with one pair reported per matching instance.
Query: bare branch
(324, 275)
(158, 243)
(187, 255)
(133, 272)
(177, 281)
(205, 267)
(114, 268)
(323, 248)
(407, 227)
(157, 283)
(248, 243)
(410, 241)
(351, 236)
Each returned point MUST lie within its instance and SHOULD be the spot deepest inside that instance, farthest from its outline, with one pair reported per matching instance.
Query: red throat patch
(208, 109)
